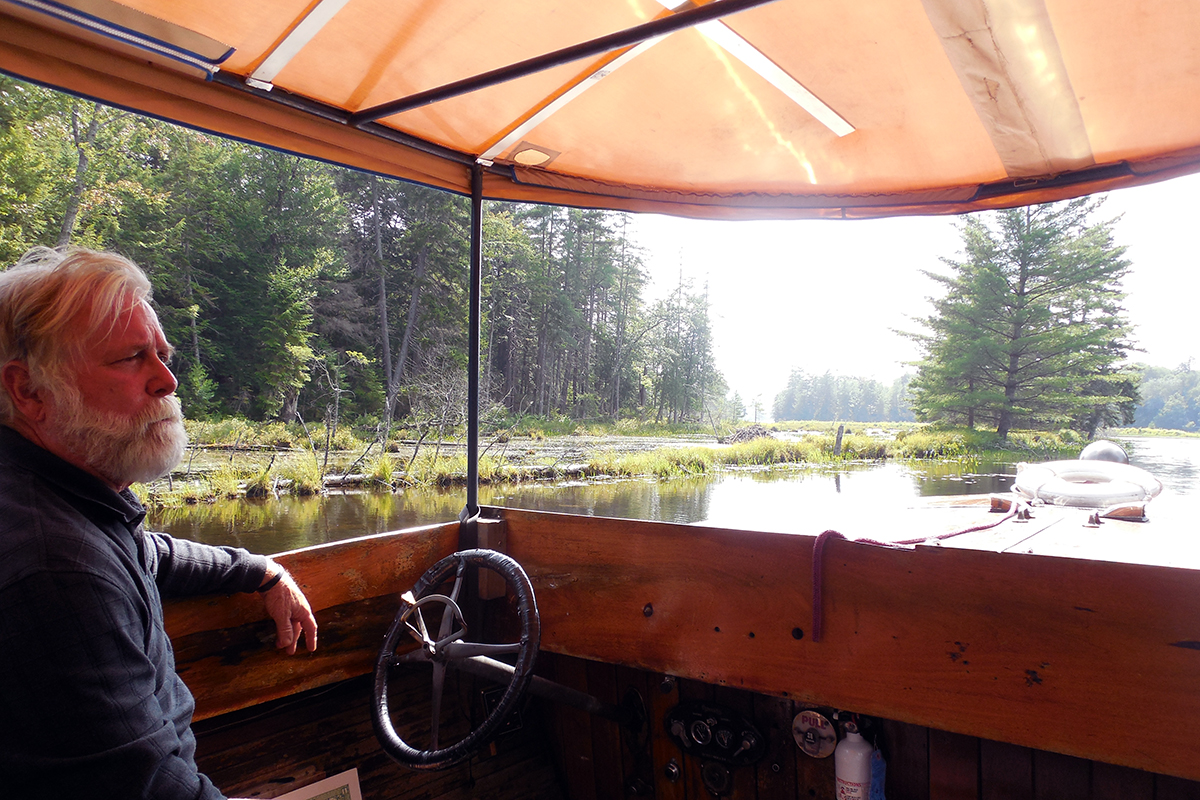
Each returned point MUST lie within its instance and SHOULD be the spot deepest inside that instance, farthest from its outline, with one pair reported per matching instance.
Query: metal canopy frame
(604, 44)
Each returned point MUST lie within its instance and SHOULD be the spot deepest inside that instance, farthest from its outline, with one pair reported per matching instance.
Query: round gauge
(724, 737)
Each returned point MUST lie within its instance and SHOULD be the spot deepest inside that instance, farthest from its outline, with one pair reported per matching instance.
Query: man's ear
(26, 398)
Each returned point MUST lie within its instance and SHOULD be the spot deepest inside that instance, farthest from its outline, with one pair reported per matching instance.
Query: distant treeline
(1170, 398)
(291, 287)
(837, 397)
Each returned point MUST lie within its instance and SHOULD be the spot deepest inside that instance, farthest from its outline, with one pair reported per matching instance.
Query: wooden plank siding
(1036, 651)
(280, 746)
(922, 763)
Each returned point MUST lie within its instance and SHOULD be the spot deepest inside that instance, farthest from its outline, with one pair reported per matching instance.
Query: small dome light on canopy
(530, 155)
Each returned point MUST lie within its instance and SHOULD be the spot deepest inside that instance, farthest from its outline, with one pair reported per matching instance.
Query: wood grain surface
(1040, 651)
(224, 646)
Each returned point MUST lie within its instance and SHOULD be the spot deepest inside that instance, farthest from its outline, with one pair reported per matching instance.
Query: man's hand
(288, 606)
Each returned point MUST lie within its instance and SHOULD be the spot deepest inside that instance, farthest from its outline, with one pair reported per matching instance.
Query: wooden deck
(1167, 539)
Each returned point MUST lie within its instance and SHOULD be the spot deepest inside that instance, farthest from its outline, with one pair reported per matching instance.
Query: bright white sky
(829, 294)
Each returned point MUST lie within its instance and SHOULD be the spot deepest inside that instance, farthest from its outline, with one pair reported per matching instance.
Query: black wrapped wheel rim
(445, 648)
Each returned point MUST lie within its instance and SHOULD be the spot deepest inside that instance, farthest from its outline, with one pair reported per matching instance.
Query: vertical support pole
(474, 324)
(468, 519)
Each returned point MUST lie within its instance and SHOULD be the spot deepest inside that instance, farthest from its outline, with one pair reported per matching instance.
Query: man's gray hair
(54, 301)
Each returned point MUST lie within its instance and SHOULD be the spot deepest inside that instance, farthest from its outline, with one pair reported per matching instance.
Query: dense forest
(292, 287)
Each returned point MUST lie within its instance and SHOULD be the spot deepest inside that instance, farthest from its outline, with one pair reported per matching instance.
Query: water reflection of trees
(288, 523)
(677, 500)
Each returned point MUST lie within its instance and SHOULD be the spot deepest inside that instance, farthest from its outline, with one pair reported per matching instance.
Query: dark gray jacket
(90, 705)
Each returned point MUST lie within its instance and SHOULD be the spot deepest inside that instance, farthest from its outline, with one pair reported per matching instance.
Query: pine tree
(1031, 330)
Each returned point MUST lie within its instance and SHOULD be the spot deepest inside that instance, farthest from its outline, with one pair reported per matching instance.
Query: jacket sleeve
(82, 717)
(183, 568)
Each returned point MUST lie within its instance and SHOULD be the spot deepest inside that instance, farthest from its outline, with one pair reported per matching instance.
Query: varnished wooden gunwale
(1085, 658)
(1052, 653)
(224, 645)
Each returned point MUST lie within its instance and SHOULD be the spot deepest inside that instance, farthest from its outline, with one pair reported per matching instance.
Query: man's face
(119, 415)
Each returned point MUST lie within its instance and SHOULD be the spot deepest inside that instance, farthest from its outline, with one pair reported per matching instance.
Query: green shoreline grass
(295, 469)
(1152, 432)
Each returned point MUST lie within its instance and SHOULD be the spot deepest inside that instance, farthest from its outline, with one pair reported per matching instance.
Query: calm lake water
(793, 501)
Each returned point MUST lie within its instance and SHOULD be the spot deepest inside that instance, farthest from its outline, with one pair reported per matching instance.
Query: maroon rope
(818, 576)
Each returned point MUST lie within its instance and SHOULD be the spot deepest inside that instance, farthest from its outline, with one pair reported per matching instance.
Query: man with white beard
(90, 704)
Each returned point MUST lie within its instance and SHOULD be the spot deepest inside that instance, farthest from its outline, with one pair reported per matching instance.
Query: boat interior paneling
(272, 749)
(561, 752)
(954, 639)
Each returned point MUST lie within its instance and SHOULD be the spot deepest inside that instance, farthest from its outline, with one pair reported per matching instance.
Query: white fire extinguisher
(852, 764)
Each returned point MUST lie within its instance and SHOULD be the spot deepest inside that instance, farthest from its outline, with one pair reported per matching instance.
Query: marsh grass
(828, 426)
(667, 462)
(262, 484)
(912, 443)
(769, 452)
(240, 433)
(182, 493)
(225, 481)
(444, 470)
(764, 452)
(298, 471)
(963, 443)
(303, 474)
(1173, 433)
(539, 428)
(381, 470)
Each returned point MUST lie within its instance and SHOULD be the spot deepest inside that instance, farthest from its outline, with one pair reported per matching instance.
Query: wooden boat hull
(969, 657)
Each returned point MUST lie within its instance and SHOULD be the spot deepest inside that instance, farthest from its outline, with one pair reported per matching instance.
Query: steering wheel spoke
(459, 650)
(439, 688)
(450, 648)
(418, 656)
(419, 632)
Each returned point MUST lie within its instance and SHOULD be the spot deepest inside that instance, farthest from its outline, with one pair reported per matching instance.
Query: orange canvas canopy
(784, 109)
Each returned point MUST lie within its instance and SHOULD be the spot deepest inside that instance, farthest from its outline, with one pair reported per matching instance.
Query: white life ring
(1085, 484)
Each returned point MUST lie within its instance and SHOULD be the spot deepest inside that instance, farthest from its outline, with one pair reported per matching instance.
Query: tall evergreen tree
(1031, 330)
